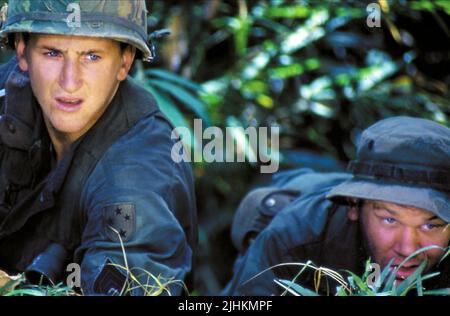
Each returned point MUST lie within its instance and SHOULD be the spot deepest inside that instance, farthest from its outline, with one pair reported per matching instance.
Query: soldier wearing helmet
(86, 173)
(395, 202)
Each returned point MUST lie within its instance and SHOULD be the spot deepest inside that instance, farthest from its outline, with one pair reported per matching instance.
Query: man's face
(394, 231)
(73, 78)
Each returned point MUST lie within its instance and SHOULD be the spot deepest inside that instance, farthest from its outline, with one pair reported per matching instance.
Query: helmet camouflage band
(120, 20)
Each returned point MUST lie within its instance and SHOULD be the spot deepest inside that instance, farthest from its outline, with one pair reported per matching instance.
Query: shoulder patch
(119, 220)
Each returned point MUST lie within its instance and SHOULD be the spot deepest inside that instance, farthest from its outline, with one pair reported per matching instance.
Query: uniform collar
(20, 111)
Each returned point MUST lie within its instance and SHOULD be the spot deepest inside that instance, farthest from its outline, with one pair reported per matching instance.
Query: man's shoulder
(142, 155)
(137, 100)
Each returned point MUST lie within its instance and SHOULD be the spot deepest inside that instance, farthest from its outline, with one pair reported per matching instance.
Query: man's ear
(127, 61)
(19, 43)
(353, 210)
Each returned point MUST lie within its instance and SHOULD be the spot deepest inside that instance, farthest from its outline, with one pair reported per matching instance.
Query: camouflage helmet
(124, 20)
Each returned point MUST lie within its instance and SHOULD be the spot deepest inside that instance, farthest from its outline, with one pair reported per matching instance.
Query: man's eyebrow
(384, 208)
(393, 212)
(84, 52)
(92, 51)
(49, 48)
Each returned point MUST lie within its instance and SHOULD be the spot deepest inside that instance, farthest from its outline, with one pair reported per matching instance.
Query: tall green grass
(354, 285)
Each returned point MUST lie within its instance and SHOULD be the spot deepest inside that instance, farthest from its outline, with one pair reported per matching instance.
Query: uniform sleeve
(133, 240)
(292, 238)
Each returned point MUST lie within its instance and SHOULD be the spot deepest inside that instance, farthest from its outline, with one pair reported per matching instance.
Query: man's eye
(432, 226)
(52, 53)
(389, 220)
(93, 57)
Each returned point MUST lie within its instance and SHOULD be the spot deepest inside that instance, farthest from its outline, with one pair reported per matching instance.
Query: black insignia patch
(120, 219)
(110, 280)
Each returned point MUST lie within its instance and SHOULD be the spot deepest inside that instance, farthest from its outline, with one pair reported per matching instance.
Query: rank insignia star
(120, 221)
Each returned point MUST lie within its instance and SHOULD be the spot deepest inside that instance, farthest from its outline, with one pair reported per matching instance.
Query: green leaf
(444, 4)
(389, 285)
(312, 63)
(386, 271)
(290, 12)
(371, 76)
(184, 97)
(168, 108)
(362, 286)
(172, 113)
(169, 76)
(341, 291)
(305, 34)
(419, 286)
(285, 72)
(241, 36)
(422, 5)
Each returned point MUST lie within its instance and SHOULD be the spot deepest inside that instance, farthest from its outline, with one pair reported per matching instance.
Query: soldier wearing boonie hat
(86, 174)
(395, 201)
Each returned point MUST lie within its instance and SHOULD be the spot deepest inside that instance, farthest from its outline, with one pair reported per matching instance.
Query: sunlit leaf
(256, 64)
(290, 12)
(305, 34)
(315, 87)
(286, 71)
(265, 101)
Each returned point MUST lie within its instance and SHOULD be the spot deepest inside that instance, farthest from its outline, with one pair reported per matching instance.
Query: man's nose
(71, 77)
(408, 242)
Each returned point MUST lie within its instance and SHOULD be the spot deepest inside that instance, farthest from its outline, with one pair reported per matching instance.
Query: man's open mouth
(68, 104)
(404, 271)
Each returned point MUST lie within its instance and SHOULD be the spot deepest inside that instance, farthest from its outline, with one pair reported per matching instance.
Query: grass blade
(406, 285)
(438, 292)
(295, 289)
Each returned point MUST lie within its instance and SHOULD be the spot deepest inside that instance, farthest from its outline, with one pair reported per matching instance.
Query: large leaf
(172, 113)
(184, 97)
(170, 76)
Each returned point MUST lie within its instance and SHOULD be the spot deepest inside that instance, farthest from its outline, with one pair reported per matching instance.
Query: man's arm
(135, 192)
